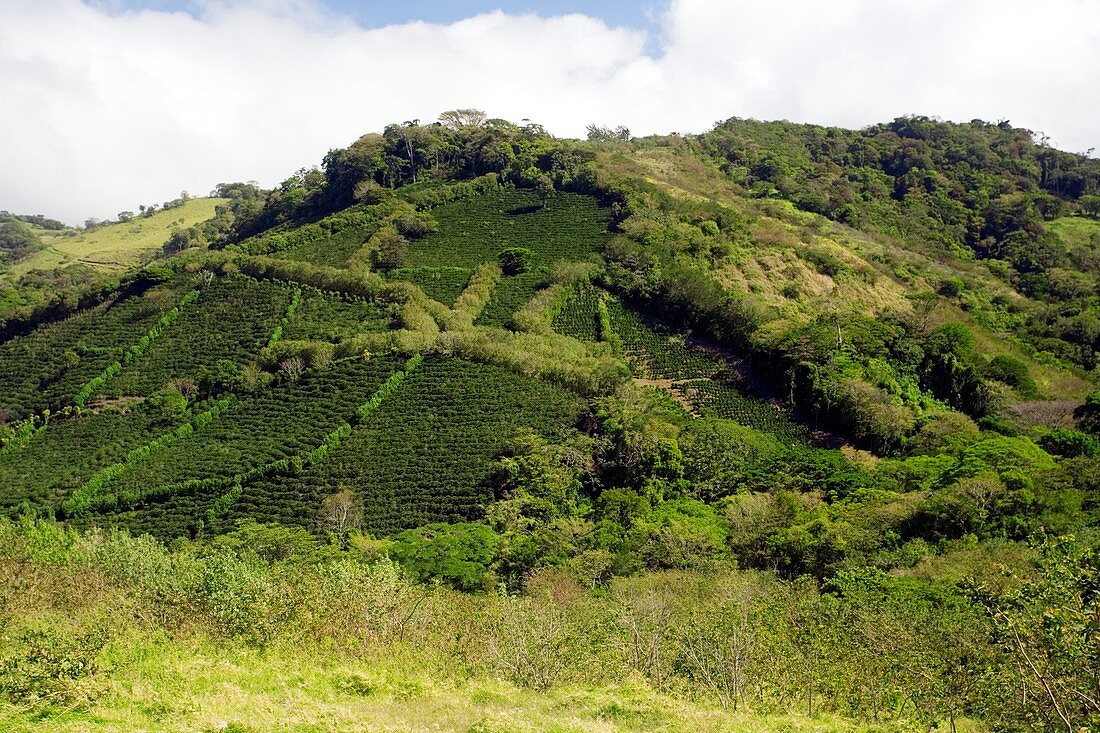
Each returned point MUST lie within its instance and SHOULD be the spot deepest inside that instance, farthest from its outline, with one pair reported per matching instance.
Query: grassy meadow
(199, 686)
(116, 246)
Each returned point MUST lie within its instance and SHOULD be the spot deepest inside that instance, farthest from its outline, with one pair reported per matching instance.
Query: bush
(1069, 443)
(415, 225)
(516, 260)
(951, 287)
(531, 643)
(50, 666)
(167, 404)
(240, 598)
(390, 248)
(1012, 372)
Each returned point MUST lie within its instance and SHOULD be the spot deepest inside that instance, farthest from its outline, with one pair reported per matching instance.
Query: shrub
(531, 643)
(1012, 372)
(1069, 443)
(951, 287)
(516, 260)
(390, 248)
(50, 666)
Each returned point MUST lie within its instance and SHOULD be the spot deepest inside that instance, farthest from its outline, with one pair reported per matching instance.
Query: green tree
(460, 555)
(1069, 443)
(597, 133)
(1090, 203)
(544, 187)
(1050, 627)
(516, 260)
(16, 235)
(1012, 372)
(458, 119)
(390, 249)
(1087, 415)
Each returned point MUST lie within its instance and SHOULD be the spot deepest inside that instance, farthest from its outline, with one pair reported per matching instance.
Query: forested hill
(803, 375)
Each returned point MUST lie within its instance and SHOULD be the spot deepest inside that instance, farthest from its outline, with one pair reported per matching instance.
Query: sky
(108, 104)
(380, 13)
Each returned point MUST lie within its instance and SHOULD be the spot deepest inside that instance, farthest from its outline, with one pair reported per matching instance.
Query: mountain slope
(746, 420)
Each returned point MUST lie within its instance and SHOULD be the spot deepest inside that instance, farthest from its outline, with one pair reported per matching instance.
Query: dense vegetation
(743, 420)
(978, 189)
(431, 445)
(43, 368)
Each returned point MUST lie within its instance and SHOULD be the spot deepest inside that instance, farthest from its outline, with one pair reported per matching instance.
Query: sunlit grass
(120, 245)
(1075, 231)
(158, 685)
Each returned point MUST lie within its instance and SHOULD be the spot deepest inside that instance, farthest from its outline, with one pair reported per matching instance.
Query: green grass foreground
(198, 685)
(267, 629)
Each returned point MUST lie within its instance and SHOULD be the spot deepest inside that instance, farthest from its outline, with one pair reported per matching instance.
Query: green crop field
(425, 454)
(656, 351)
(232, 320)
(241, 438)
(120, 245)
(334, 250)
(715, 398)
(49, 366)
(475, 230)
(580, 316)
(444, 284)
(180, 515)
(511, 292)
(181, 480)
(68, 452)
(334, 317)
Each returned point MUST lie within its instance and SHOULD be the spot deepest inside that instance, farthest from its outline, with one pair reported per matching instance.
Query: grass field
(116, 246)
(208, 688)
(1076, 231)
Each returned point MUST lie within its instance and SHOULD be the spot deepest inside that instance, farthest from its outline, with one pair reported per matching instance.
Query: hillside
(737, 421)
(59, 262)
(118, 245)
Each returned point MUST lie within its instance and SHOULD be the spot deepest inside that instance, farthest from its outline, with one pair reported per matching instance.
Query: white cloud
(101, 112)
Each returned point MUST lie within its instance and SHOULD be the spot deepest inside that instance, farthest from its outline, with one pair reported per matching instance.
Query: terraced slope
(475, 230)
(425, 455)
(701, 379)
(49, 366)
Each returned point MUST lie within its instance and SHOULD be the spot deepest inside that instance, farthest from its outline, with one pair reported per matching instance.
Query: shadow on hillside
(521, 210)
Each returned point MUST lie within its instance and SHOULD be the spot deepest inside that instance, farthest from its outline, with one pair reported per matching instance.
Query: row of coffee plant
(48, 366)
(80, 501)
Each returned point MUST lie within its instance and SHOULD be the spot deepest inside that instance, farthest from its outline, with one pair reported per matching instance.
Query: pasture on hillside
(117, 246)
